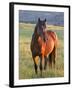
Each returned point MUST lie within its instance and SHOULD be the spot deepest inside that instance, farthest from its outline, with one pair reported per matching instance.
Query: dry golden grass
(26, 64)
(30, 26)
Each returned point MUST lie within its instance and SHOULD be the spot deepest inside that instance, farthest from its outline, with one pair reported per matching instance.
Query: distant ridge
(54, 18)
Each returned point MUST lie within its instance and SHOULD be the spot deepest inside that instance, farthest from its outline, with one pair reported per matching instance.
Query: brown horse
(43, 44)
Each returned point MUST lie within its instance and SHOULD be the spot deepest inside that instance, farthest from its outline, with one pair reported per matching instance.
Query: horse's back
(52, 34)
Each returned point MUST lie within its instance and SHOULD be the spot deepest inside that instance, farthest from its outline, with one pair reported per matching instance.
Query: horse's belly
(49, 47)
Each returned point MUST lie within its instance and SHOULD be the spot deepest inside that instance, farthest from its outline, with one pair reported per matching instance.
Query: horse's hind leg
(54, 56)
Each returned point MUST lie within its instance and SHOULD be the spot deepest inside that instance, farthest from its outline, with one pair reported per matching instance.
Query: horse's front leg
(45, 63)
(35, 64)
(41, 63)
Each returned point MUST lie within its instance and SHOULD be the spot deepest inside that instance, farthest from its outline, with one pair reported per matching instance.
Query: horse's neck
(35, 35)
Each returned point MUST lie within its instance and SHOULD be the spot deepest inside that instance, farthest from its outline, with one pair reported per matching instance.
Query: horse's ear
(38, 19)
(45, 19)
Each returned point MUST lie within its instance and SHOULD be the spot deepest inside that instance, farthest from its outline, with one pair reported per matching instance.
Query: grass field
(26, 67)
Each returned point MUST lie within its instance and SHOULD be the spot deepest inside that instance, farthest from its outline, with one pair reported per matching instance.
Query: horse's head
(41, 26)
